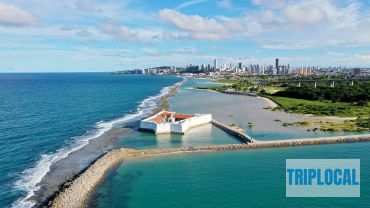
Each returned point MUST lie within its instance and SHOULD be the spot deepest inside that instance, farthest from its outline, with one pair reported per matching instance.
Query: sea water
(249, 178)
(45, 117)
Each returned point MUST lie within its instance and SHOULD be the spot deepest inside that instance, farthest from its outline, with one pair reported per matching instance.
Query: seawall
(245, 138)
(77, 192)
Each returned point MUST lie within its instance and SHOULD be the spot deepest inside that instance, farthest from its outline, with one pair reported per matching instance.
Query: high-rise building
(240, 65)
(288, 69)
(356, 72)
(277, 64)
(215, 64)
(305, 71)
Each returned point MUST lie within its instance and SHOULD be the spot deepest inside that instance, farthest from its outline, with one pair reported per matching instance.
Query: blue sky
(110, 35)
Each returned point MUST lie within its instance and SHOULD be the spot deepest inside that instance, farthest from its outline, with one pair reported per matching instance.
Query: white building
(171, 122)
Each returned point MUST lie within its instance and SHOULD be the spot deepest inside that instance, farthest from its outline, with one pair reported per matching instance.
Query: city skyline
(91, 35)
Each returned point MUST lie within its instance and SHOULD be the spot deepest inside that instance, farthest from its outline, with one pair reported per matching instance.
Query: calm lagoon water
(200, 136)
(252, 178)
(237, 109)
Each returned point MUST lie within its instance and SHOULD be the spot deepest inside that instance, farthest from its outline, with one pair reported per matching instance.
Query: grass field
(319, 108)
(272, 90)
(227, 81)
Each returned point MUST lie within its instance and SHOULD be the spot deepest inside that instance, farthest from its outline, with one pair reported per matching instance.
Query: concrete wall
(241, 136)
(176, 127)
(189, 123)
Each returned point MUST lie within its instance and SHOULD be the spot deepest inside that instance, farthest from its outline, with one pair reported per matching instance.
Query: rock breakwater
(76, 193)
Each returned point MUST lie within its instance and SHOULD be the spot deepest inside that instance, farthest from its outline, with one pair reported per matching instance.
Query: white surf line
(31, 177)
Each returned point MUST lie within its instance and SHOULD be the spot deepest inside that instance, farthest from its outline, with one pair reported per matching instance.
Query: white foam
(31, 177)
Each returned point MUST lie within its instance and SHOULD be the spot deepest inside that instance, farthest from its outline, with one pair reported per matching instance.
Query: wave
(31, 178)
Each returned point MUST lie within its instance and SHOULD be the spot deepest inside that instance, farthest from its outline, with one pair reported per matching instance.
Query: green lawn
(320, 108)
(272, 90)
(227, 81)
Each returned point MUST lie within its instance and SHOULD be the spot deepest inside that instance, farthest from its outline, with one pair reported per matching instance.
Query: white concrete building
(171, 122)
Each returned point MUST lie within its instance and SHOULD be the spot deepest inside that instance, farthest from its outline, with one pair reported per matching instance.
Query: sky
(112, 35)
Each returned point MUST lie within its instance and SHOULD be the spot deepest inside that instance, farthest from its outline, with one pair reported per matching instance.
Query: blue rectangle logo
(323, 178)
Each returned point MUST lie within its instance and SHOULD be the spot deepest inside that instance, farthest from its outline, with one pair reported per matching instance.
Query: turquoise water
(251, 178)
(240, 110)
(43, 117)
(46, 118)
(200, 136)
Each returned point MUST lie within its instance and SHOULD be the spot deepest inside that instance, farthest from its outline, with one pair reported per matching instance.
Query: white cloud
(307, 24)
(145, 35)
(303, 15)
(282, 45)
(152, 52)
(268, 18)
(11, 15)
(86, 6)
(188, 50)
(120, 33)
(201, 28)
(363, 57)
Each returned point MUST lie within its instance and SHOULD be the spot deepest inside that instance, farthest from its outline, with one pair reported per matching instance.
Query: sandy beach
(270, 102)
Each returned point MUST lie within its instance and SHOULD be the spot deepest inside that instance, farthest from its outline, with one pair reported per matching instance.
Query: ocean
(45, 117)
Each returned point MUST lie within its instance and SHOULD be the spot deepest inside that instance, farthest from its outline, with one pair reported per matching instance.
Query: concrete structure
(171, 122)
(356, 72)
(277, 64)
(76, 192)
(243, 137)
(305, 71)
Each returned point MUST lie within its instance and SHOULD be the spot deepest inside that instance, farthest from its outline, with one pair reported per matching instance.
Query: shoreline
(307, 117)
(272, 104)
(77, 193)
(161, 98)
(311, 117)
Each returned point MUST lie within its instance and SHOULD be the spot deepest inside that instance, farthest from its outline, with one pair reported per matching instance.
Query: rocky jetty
(76, 193)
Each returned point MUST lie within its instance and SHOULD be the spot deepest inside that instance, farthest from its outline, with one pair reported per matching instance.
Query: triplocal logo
(323, 178)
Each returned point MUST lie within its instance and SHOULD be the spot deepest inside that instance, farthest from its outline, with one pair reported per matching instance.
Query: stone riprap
(76, 193)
